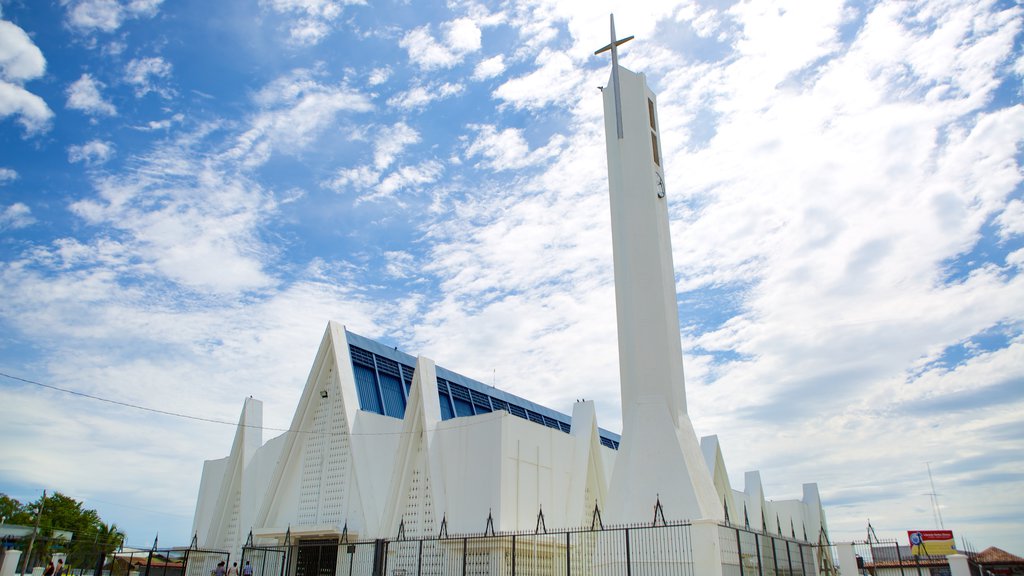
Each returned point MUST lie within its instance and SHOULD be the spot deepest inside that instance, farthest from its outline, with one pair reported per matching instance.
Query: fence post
(629, 564)
(568, 561)
(707, 547)
(739, 551)
(514, 550)
(899, 557)
(465, 553)
(378, 557)
(789, 555)
(847, 559)
(757, 550)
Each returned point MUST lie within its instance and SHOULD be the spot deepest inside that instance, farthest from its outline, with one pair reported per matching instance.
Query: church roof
(381, 371)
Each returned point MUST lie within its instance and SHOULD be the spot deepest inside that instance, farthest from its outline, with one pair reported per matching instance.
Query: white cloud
(405, 177)
(489, 68)
(84, 94)
(185, 218)
(295, 110)
(420, 96)
(1011, 220)
(20, 58)
(313, 20)
(31, 111)
(508, 150)
(107, 15)
(162, 124)
(21, 61)
(16, 216)
(391, 141)
(359, 177)
(461, 37)
(389, 144)
(92, 153)
(141, 72)
(399, 264)
(7, 175)
(379, 76)
(557, 78)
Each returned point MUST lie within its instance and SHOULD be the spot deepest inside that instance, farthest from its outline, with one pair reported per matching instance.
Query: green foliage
(12, 511)
(91, 536)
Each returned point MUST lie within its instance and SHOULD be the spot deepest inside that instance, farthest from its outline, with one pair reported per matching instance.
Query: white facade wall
(382, 473)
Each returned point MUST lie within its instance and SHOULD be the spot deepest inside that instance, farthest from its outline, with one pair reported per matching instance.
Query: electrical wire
(224, 422)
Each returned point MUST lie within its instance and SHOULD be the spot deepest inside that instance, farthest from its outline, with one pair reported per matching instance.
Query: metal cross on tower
(613, 46)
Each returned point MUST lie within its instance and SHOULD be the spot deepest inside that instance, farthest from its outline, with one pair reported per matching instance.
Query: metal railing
(635, 550)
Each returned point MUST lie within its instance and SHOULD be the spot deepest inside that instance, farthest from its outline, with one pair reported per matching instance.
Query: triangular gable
(754, 497)
(712, 451)
(814, 514)
(225, 523)
(417, 494)
(313, 484)
(588, 484)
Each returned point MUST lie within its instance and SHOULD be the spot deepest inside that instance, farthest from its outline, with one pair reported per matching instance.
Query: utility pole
(35, 528)
(936, 511)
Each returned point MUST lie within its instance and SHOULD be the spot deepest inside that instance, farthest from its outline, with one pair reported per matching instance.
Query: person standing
(60, 568)
(233, 571)
(49, 569)
(247, 569)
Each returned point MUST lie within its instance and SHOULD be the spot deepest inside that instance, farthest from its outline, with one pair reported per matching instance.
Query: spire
(614, 47)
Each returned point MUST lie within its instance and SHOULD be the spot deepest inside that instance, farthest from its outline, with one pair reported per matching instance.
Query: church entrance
(316, 557)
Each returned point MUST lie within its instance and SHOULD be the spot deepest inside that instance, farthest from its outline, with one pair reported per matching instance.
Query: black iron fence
(749, 553)
(889, 558)
(83, 559)
(637, 550)
(640, 550)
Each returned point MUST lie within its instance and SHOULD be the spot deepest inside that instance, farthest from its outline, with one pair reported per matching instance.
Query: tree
(90, 535)
(10, 509)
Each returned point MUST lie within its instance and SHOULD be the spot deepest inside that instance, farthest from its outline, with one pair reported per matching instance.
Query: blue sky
(189, 191)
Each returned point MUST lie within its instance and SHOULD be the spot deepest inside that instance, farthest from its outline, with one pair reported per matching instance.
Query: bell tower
(659, 458)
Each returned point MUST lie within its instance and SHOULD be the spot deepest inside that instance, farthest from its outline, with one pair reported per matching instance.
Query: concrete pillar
(10, 564)
(847, 559)
(707, 548)
(958, 565)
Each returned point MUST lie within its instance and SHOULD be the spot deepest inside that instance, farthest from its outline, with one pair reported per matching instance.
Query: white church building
(384, 445)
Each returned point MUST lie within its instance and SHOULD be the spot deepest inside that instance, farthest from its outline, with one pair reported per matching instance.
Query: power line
(214, 420)
(126, 404)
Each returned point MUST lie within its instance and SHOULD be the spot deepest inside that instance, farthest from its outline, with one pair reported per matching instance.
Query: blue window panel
(481, 402)
(499, 404)
(516, 410)
(361, 356)
(407, 372)
(481, 399)
(394, 401)
(459, 392)
(462, 407)
(564, 427)
(387, 366)
(534, 417)
(446, 407)
(366, 386)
